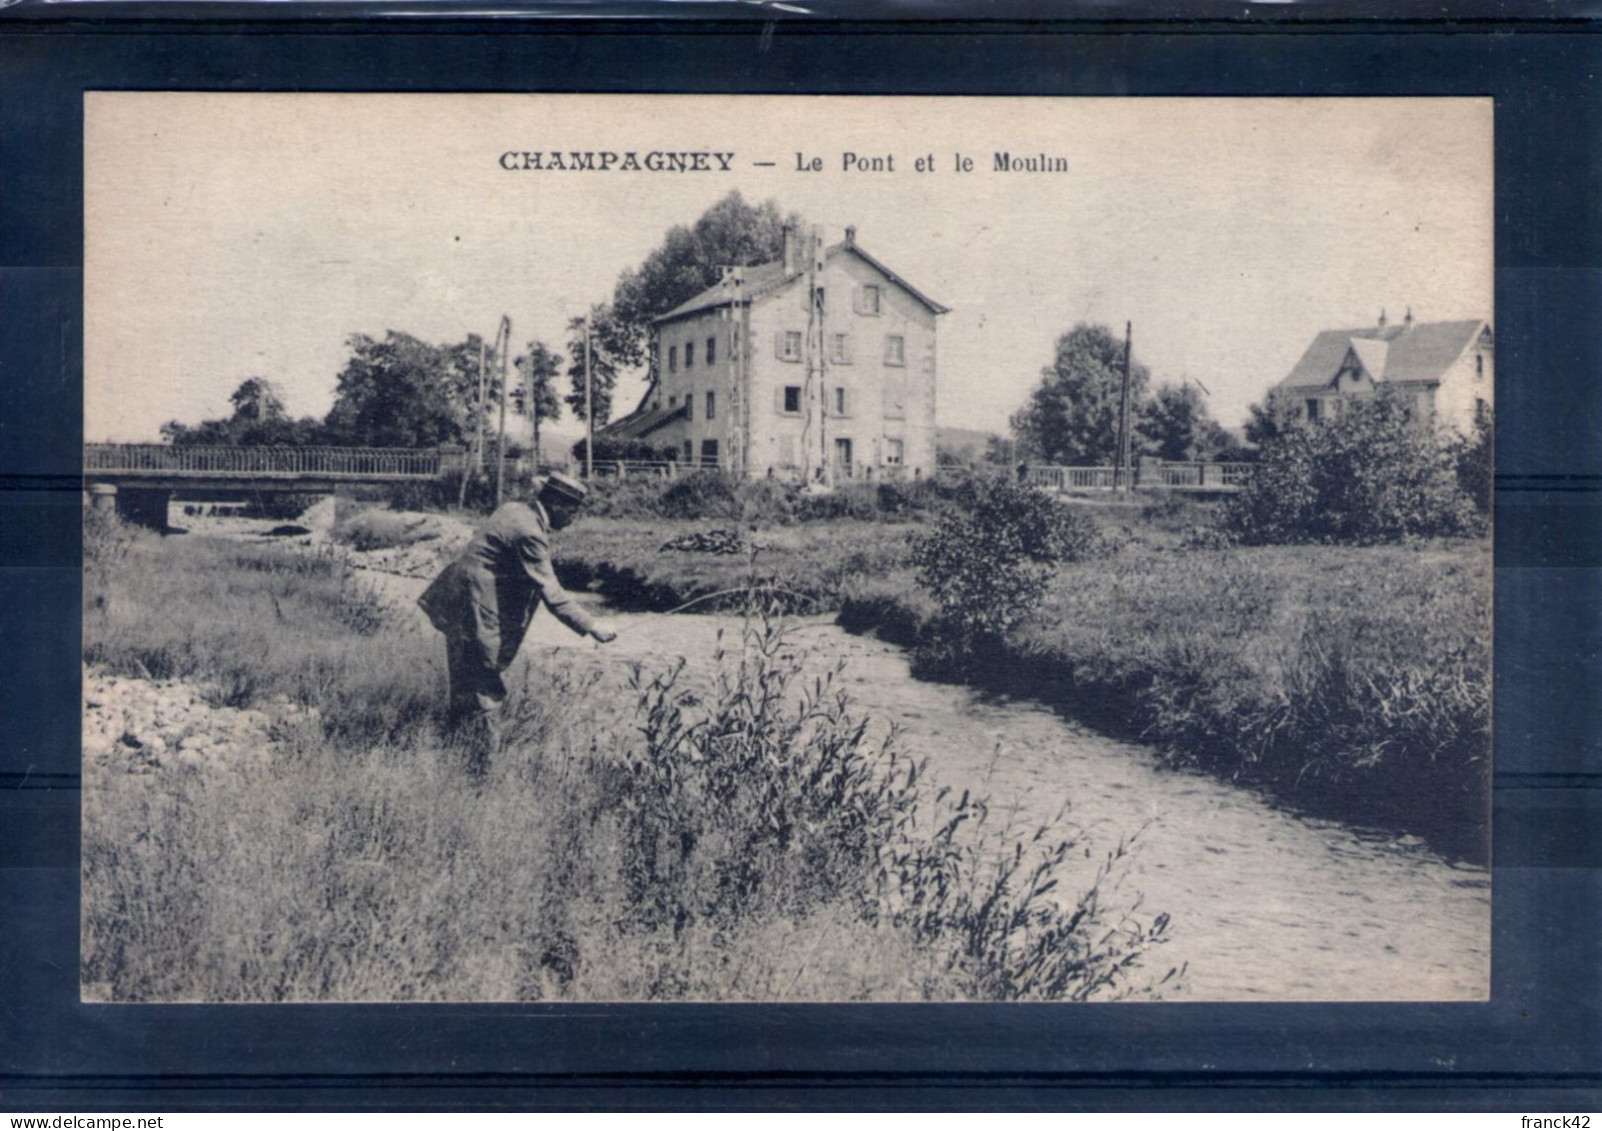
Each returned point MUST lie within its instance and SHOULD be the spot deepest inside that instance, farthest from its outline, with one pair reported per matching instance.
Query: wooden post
(589, 407)
(504, 337)
(478, 431)
(1121, 472)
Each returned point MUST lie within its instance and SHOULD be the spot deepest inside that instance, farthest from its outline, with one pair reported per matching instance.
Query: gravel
(141, 726)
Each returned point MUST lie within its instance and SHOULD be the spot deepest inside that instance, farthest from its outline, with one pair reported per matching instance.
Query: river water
(1265, 905)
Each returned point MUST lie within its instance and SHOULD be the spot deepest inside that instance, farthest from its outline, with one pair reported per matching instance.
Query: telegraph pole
(589, 407)
(503, 337)
(1121, 474)
(478, 433)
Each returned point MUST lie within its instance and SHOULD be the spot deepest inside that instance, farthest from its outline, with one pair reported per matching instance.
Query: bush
(767, 502)
(1372, 474)
(987, 565)
(380, 530)
(1475, 465)
(700, 494)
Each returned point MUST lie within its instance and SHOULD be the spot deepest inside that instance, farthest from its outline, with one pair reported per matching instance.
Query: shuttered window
(787, 345)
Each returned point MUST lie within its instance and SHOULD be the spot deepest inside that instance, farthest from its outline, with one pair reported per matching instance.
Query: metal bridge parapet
(212, 462)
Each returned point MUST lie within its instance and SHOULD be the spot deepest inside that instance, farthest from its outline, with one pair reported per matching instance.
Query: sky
(239, 235)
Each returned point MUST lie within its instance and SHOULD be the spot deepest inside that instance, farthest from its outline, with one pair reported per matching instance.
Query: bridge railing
(1147, 475)
(1056, 478)
(220, 459)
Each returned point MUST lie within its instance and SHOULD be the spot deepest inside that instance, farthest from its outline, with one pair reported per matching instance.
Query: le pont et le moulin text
(711, 161)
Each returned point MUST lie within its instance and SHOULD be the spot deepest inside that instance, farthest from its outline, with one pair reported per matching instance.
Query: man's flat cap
(564, 487)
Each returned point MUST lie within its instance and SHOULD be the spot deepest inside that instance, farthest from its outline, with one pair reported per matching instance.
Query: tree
(1374, 473)
(1175, 425)
(257, 399)
(602, 344)
(535, 396)
(1072, 416)
(688, 261)
(259, 420)
(1270, 420)
(402, 392)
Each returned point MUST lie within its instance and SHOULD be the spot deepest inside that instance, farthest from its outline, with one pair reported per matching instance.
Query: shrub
(701, 494)
(1372, 474)
(380, 530)
(1475, 465)
(445, 493)
(745, 803)
(987, 565)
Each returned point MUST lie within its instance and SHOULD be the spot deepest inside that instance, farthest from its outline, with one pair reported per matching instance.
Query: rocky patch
(140, 726)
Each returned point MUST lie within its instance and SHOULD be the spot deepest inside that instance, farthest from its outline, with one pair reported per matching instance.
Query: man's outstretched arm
(534, 555)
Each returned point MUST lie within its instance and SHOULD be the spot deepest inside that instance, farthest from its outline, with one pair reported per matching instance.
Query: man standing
(484, 600)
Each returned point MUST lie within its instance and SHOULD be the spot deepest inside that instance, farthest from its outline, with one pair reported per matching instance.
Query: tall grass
(1354, 682)
(730, 831)
(626, 560)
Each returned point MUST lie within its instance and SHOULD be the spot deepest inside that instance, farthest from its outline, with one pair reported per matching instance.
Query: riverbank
(287, 855)
(1349, 682)
(1352, 683)
(275, 812)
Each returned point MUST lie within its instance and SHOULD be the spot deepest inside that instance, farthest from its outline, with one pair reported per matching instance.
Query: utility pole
(589, 406)
(478, 433)
(1121, 472)
(533, 408)
(503, 337)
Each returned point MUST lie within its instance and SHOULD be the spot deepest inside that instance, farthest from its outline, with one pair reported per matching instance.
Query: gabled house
(818, 366)
(1447, 368)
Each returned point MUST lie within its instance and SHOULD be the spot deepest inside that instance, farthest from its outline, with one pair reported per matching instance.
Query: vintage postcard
(990, 549)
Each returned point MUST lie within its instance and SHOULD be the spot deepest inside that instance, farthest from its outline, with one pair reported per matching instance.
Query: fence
(1147, 475)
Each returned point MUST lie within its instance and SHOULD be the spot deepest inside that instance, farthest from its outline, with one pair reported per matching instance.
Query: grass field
(737, 834)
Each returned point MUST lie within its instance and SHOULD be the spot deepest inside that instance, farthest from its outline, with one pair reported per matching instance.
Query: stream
(1265, 905)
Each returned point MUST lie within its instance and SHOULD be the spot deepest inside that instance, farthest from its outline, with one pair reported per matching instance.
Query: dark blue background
(1534, 1047)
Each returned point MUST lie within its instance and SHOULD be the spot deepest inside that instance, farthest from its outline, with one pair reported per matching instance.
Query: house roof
(1417, 352)
(765, 278)
(642, 422)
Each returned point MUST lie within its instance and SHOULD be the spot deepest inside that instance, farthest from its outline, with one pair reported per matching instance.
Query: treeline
(394, 392)
(1071, 416)
(400, 391)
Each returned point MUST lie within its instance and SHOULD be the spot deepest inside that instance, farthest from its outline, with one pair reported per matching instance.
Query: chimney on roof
(1407, 322)
(851, 235)
(792, 265)
(1382, 318)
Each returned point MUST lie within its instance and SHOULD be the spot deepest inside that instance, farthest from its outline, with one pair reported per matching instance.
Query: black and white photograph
(668, 548)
